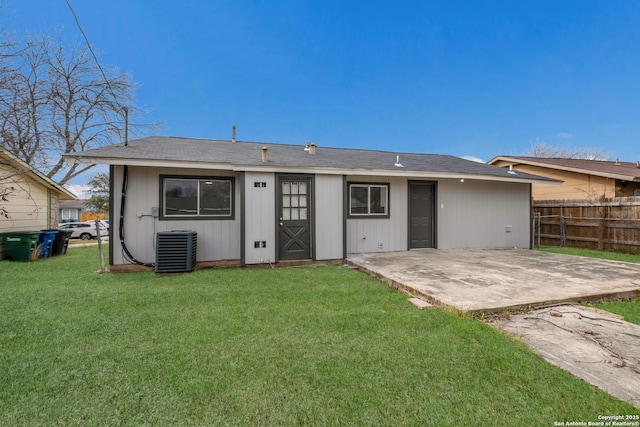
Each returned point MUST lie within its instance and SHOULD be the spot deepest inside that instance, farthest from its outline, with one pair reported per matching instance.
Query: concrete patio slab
(494, 280)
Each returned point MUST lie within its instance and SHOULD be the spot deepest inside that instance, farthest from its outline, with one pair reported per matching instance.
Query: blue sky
(468, 78)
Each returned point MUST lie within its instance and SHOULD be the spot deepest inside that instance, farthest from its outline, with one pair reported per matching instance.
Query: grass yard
(630, 309)
(315, 346)
(592, 253)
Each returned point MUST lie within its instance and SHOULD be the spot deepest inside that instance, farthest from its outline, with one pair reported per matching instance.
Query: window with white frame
(69, 214)
(368, 200)
(197, 197)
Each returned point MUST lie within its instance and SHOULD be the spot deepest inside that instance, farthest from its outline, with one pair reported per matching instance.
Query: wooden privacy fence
(605, 224)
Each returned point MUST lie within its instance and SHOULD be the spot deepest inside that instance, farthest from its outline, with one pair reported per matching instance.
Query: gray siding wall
(468, 214)
(260, 217)
(329, 217)
(477, 214)
(381, 234)
(217, 239)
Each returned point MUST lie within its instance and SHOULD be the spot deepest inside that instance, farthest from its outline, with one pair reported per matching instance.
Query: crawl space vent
(176, 251)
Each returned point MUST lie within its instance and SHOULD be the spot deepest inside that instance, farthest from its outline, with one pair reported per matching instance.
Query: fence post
(601, 223)
(563, 231)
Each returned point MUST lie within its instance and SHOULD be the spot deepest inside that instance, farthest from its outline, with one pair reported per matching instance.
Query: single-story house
(581, 178)
(76, 210)
(70, 210)
(32, 198)
(258, 203)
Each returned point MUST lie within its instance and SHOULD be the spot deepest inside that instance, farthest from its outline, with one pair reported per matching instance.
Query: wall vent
(176, 251)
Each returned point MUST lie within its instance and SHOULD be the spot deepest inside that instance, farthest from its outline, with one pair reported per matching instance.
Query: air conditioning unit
(176, 251)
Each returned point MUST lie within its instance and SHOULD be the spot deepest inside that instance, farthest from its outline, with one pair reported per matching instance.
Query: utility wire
(95, 57)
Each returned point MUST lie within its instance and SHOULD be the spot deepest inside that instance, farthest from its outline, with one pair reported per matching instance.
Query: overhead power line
(95, 57)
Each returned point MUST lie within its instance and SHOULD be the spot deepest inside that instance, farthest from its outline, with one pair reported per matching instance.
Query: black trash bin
(61, 242)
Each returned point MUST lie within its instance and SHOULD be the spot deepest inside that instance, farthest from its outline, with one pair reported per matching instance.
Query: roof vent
(265, 152)
(617, 162)
(310, 147)
(397, 163)
(233, 134)
(511, 171)
(638, 164)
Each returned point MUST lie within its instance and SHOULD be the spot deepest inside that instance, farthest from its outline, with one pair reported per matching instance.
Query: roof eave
(565, 168)
(273, 168)
(38, 176)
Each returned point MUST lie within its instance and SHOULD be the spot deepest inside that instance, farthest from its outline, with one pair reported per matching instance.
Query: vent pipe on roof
(265, 151)
(233, 134)
(638, 164)
(618, 162)
(310, 147)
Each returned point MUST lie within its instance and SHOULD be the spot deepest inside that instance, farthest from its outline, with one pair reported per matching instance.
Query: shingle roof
(625, 171)
(35, 174)
(248, 155)
(71, 204)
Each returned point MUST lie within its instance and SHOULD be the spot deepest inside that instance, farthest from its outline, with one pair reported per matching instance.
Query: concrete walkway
(495, 280)
(592, 344)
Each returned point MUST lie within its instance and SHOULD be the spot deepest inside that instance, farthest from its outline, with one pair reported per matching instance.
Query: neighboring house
(257, 203)
(33, 198)
(581, 178)
(70, 210)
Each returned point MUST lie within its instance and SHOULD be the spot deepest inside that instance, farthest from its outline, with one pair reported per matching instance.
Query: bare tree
(59, 100)
(7, 74)
(541, 149)
(5, 191)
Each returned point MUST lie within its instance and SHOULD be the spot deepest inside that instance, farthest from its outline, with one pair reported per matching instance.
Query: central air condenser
(176, 251)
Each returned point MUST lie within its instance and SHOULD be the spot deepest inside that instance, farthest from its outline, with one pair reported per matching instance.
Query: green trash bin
(20, 245)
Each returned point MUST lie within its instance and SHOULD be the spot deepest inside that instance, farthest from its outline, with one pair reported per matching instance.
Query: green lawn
(614, 256)
(315, 346)
(630, 309)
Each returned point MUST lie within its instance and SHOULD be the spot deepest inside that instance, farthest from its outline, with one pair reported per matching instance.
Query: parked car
(84, 230)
